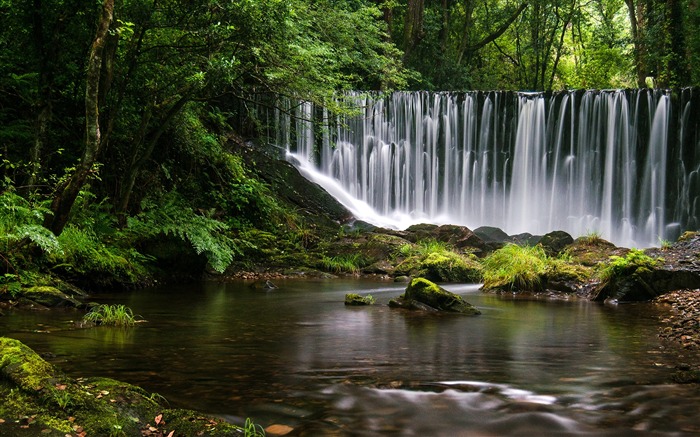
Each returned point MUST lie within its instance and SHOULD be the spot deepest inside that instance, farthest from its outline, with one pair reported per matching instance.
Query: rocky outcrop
(459, 237)
(290, 185)
(675, 267)
(422, 294)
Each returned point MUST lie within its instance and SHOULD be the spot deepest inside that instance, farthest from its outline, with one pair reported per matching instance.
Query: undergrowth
(347, 263)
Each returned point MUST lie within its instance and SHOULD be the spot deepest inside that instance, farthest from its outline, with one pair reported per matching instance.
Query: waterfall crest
(620, 163)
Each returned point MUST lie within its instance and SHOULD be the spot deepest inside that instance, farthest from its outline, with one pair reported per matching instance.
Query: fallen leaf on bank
(61, 386)
(278, 429)
(171, 433)
(158, 419)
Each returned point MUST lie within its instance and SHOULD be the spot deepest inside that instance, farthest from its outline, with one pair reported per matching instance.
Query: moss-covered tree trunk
(67, 193)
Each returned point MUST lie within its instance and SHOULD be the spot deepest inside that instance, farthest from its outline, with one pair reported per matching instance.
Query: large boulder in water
(423, 294)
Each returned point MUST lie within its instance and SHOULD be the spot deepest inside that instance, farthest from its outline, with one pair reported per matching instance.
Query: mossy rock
(443, 266)
(555, 242)
(32, 388)
(426, 295)
(354, 299)
(22, 366)
(50, 297)
(450, 268)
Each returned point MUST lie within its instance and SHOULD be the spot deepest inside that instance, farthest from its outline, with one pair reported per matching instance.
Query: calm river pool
(297, 356)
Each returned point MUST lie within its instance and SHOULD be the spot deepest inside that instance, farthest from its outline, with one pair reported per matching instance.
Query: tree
(67, 193)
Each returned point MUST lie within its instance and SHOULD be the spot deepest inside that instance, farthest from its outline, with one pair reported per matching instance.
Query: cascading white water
(582, 162)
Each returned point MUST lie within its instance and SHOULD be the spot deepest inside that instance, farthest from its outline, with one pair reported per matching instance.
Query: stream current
(297, 356)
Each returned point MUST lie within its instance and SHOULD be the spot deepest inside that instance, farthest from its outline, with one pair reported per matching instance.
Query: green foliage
(62, 398)
(635, 261)
(591, 237)
(20, 222)
(111, 315)
(516, 267)
(346, 263)
(171, 215)
(251, 429)
(86, 255)
(20, 229)
(437, 261)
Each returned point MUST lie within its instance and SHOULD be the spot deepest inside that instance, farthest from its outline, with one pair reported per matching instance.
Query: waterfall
(624, 164)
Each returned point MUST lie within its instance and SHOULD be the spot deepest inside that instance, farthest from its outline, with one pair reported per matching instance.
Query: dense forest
(116, 115)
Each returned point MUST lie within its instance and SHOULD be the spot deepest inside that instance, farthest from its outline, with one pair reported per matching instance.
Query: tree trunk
(413, 26)
(139, 157)
(65, 196)
(44, 109)
(636, 40)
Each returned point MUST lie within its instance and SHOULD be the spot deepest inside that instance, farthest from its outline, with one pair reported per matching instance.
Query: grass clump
(516, 267)
(636, 261)
(111, 315)
(591, 238)
(252, 429)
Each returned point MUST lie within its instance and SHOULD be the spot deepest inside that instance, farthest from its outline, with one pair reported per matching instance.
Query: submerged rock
(263, 285)
(422, 294)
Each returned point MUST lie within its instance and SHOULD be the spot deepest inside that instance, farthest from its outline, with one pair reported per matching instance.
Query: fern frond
(173, 217)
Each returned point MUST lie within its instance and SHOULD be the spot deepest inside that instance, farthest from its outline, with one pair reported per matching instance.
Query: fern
(20, 222)
(173, 217)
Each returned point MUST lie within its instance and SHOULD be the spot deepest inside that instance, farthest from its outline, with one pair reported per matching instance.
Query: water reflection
(297, 355)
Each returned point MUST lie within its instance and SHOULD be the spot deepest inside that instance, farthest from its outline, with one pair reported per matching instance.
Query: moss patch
(38, 397)
(436, 261)
(426, 295)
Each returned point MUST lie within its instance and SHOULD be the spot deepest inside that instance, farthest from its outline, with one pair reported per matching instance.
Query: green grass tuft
(516, 268)
(111, 315)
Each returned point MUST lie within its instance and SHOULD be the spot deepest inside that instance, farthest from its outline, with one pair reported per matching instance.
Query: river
(297, 356)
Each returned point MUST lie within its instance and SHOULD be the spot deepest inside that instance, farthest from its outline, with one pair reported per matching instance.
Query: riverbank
(38, 399)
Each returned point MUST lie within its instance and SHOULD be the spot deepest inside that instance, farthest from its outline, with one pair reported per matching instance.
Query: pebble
(682, 324)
